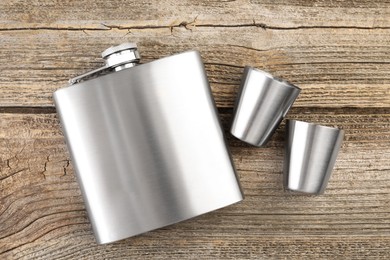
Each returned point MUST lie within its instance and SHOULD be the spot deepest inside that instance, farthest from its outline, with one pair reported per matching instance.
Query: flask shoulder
(191, 54)
(181, 63)
(177, 61)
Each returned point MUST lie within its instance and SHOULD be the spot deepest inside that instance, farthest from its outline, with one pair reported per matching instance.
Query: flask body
(147, 146)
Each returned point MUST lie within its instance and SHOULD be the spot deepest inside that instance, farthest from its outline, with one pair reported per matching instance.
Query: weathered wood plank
(158, 245)
(165, 13)
(335, 68)
(336, 51)
(42, 214)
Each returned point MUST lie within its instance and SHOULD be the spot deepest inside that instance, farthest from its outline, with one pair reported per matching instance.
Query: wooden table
(338, 52)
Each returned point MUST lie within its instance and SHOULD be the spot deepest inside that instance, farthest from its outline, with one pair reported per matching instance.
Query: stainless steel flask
(146, 143)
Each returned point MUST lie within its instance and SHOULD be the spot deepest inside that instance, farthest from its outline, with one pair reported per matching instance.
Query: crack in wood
(187, 25)
(8, 166)
(67, 163)
(221, 110)
(13, 173)
(330, 110)
(27, 110)
(45, 167)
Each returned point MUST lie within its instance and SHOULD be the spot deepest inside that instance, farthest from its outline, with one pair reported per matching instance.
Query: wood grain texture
(338, 52)
(335, 68)
(101, 14)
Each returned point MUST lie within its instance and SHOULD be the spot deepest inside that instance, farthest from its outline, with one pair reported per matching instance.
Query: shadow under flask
(146, 143)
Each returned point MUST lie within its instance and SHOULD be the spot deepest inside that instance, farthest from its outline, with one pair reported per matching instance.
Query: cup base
(303, 191)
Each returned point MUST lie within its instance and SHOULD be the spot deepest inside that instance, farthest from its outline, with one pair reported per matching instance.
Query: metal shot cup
(310, 155)
(262, 102)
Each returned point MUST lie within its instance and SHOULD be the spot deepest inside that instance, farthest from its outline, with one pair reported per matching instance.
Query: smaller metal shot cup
(310, 155)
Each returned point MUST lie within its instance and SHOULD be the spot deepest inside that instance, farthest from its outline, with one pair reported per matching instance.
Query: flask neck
(121, 56)
(116, 58)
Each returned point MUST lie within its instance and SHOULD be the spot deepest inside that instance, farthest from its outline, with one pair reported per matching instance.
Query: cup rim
(316, 125)
(278, 79)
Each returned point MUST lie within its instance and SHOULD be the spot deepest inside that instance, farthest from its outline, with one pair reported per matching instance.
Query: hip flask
(146, 143)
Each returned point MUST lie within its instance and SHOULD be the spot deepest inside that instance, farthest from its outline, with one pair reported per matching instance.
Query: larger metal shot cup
(262, 102)
(310, 156)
